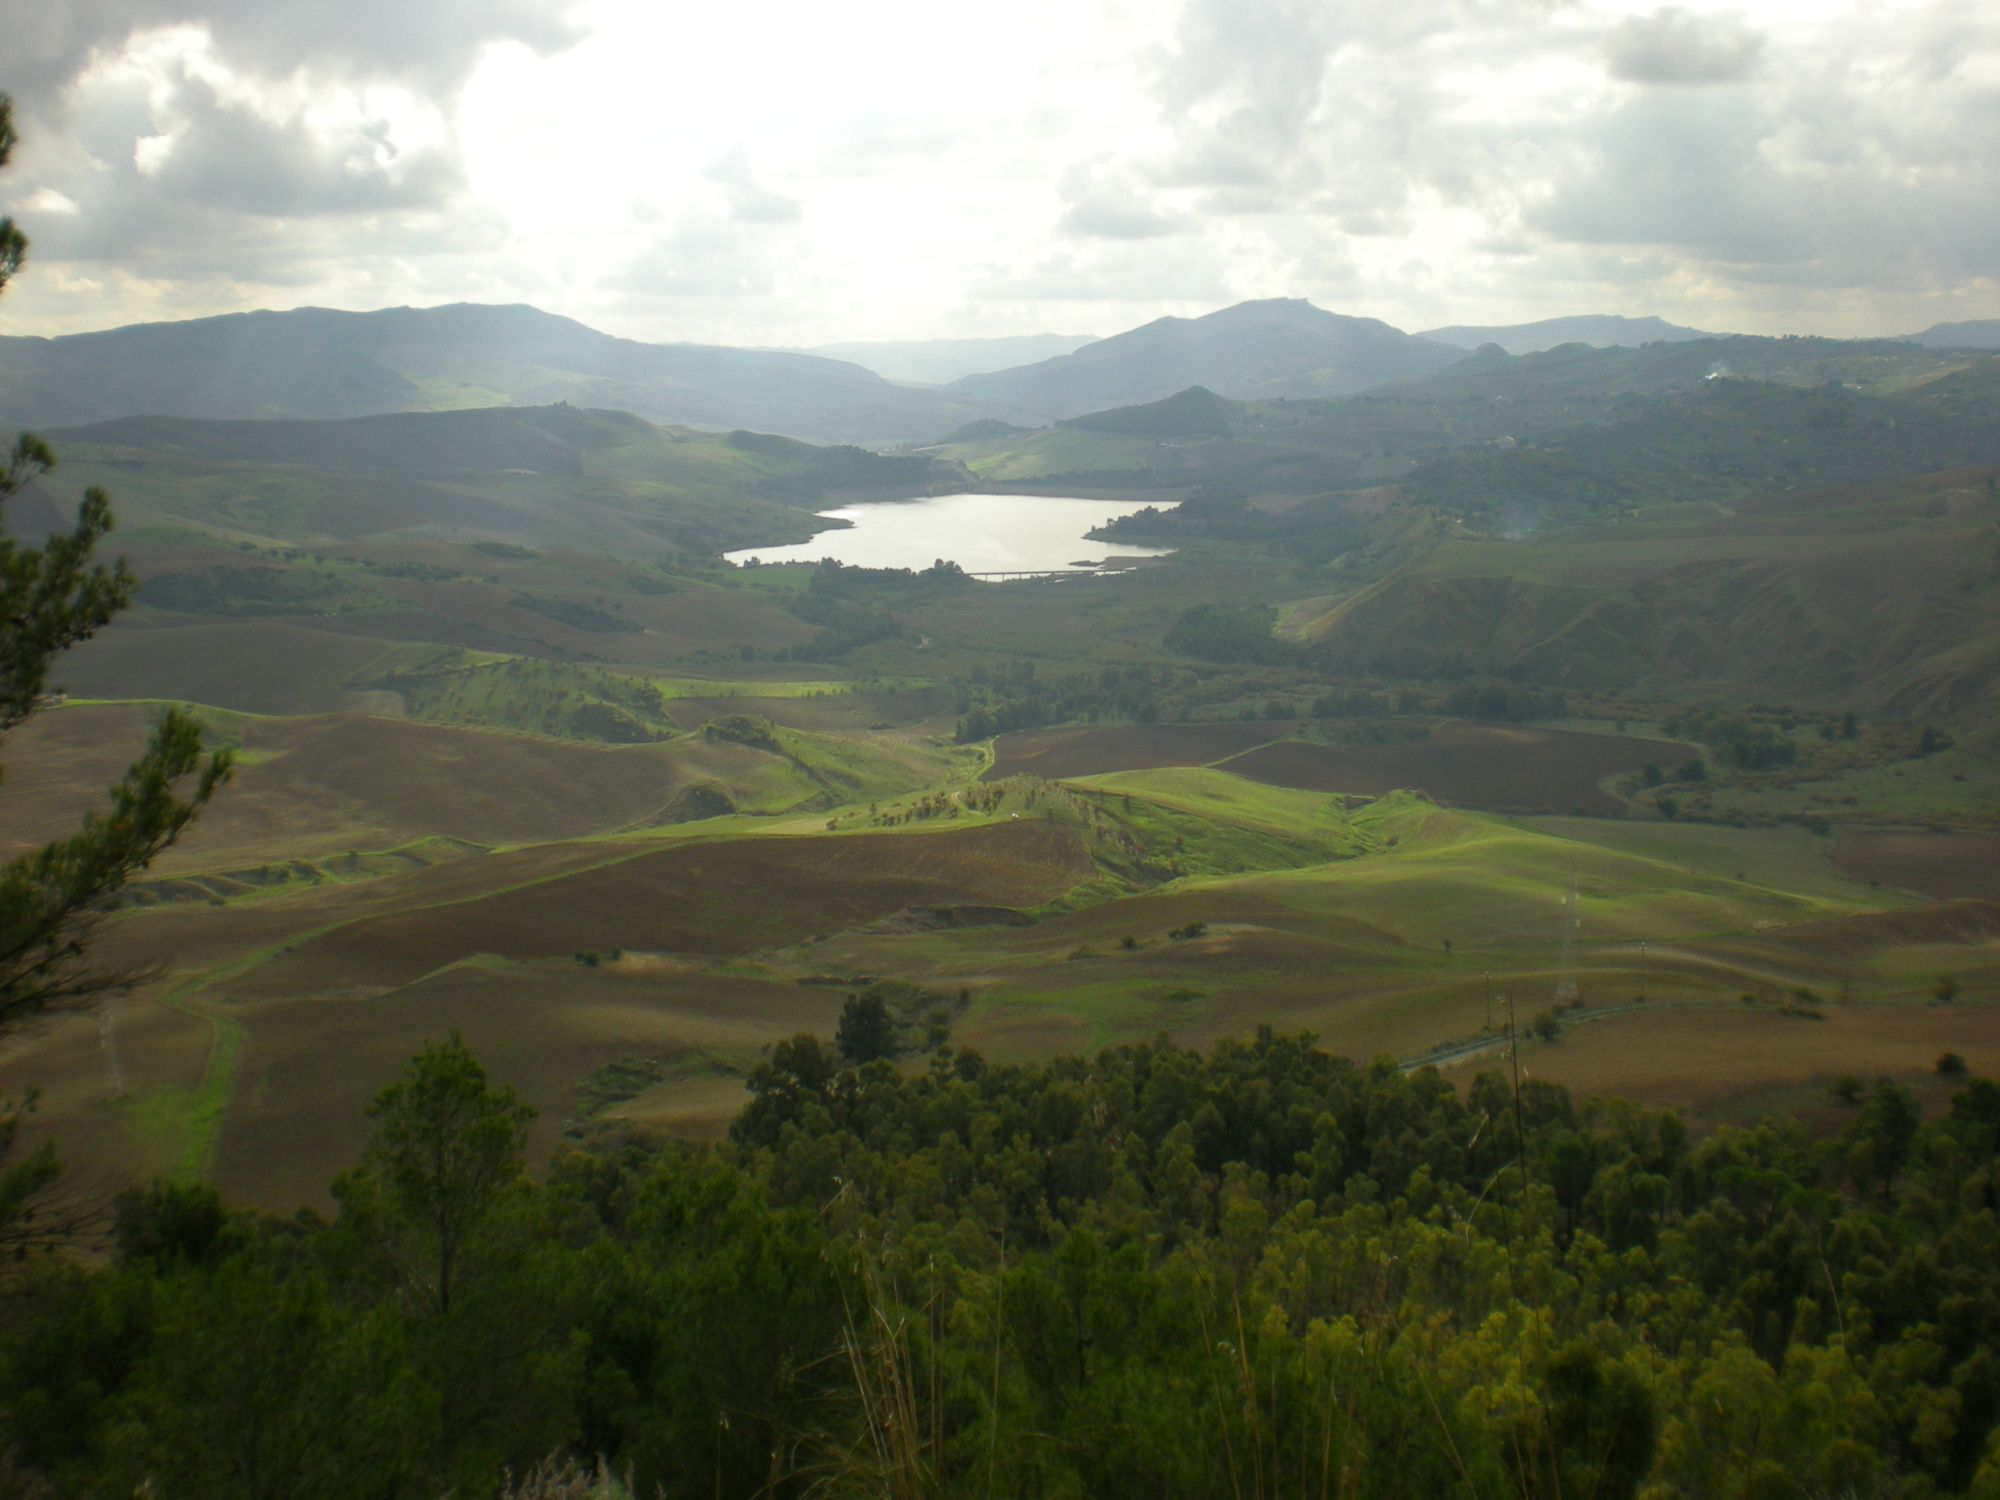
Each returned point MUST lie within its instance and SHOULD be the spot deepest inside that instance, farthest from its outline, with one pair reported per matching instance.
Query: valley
(519, 755)
(1128, 751)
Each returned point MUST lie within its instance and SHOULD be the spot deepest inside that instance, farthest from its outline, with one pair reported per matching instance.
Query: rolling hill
(1707, 418)
(1883, 598)
(1976, 333)
(1599, 330)
(318, 364)
(552, 475)
(1254, 350)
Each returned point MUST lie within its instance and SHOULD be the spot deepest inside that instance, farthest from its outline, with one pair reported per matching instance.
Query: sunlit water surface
(981, 533)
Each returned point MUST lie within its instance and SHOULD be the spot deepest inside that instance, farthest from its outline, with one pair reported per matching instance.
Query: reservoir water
(981, 533)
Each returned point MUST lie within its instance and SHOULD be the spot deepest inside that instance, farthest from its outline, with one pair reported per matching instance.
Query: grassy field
(1720, 1063)
(1479, 765)
(516, 757)
(335, 905)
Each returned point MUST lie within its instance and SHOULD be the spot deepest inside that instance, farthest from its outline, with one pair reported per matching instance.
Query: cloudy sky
(771, 172)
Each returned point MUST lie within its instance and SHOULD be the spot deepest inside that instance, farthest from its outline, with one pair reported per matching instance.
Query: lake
(981, 533)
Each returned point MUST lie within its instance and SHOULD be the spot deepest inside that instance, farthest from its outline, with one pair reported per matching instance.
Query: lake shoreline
(983, 532)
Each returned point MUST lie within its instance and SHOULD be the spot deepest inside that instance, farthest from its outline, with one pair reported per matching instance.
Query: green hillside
(1277, 347)
(549, 475)
(316, 363)
(1707, 416)
(1886, 599)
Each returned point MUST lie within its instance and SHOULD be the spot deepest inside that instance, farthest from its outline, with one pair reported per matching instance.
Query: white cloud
(797, 172)
(1675, 46)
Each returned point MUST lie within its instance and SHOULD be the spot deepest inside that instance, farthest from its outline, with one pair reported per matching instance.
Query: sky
(776, 173)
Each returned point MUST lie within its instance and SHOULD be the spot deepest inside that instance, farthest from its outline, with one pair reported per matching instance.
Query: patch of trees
(1311, 534)
(575, 613)
(844, 627)
(833, 579)
(753, 730)
(423, 572)
(1266, 1270)
(1010, 697)
(1715, 439)
(1736, 741)
(807, 471)
(891, 1018)
(256, 590)
(1354, 703)
(1196, 412)
(1517, 492)
(1505, 702)
(1230, 633)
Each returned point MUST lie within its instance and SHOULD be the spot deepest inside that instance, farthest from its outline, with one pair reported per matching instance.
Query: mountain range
(1975, 333)
(318, 364)
(939, 361)
(321, 364)
(1599, 330)
(1282, 346)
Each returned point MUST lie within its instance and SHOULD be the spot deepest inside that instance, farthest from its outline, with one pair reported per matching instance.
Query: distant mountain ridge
(319, 364)
(1974, 333)
(556, 475)
(1280, 347)
(938, 361)
(1599, 330)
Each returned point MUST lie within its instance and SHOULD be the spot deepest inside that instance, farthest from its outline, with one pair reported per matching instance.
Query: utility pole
(1520, 1129)
(1520, 1146)
(1566, 989)
(1489, 999)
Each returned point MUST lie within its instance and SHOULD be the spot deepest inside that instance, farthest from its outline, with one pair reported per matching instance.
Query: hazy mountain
(552, 475)
(1870, 596)
(1254, 350)
(936, 361)
(559, 440)
(1724, 413)
(318, 364)
(1978, 333)
(1600, 330)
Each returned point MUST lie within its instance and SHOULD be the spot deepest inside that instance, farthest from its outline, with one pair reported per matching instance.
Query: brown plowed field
(1698, 1057)
(1100, 749)
(325, 784)
(1931, 864)
(729, 897)
(295, 1120)
(1951, 922)
(262, 666)
(1498, 766)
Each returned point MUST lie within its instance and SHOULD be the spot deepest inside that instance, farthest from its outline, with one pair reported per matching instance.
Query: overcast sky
(768, 172)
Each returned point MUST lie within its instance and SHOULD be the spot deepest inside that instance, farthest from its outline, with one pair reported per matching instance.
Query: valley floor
(623, 930)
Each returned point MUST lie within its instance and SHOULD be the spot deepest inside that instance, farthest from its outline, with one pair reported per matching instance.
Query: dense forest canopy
(1263, 1271)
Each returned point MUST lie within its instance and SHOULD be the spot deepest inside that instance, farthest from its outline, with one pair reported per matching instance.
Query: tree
(1879, 1140)
(50, 599)
(867, 1031)
(50, 898)
(447, 1148)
